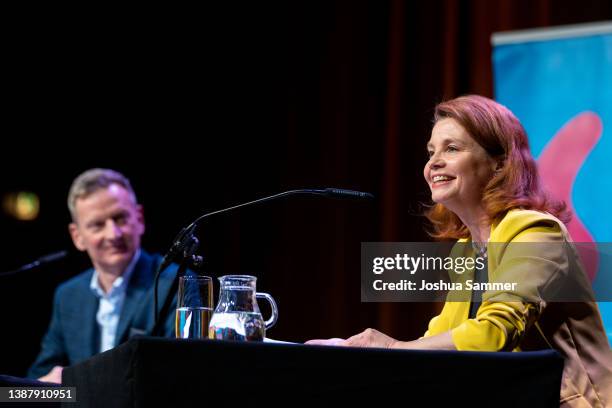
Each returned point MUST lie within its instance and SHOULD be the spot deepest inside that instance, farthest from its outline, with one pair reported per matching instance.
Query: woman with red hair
(487, 193)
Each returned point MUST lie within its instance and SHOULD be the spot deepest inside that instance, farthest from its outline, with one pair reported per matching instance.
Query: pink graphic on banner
(559, 165)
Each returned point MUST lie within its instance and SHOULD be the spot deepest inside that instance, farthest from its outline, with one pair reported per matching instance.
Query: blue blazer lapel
(81, 333)
(90, 338)
(140, 283)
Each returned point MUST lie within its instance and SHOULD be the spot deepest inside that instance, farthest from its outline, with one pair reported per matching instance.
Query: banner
(558, 82)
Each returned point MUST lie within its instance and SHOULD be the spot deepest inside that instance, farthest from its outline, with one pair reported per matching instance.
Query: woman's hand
(327, 342)
(367, 338)
(371, 338)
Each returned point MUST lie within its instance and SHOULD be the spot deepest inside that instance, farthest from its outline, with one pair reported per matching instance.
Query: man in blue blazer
(109, 303)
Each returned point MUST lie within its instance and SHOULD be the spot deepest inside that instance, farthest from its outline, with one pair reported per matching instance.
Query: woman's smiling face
(458, 168)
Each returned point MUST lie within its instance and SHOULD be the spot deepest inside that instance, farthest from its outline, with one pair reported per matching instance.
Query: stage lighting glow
(22, 205)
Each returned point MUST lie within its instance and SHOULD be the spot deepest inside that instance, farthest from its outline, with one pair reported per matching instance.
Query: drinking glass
(194, 307)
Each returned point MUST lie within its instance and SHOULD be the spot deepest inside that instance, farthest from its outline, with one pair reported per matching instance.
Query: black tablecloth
(146, 372)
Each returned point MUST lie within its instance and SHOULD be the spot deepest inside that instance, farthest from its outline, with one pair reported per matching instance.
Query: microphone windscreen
(55, 256)
(342, 193)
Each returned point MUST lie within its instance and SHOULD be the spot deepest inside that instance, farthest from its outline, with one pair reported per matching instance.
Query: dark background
(206, 108)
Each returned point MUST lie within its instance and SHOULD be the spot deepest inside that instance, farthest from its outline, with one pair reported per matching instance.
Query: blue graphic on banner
(561, 90)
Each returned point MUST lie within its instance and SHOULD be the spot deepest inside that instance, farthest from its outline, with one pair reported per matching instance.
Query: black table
(148, 372)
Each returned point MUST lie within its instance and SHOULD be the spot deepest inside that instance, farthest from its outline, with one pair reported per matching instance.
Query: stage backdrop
(558, 81)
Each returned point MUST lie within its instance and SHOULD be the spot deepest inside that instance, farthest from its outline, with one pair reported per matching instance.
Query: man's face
(108, 226)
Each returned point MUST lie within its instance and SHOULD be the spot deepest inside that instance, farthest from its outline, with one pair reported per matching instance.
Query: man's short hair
(93, 180)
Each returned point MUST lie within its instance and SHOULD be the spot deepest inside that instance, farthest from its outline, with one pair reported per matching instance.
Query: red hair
(515, 185)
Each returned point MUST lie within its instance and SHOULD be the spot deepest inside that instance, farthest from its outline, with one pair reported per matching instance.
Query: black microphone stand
(43, 260)
(185, 244)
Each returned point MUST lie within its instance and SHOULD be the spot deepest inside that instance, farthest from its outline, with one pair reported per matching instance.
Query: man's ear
(77, 239)
(141, 219)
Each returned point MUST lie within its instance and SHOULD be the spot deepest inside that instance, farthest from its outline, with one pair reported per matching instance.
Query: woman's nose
(436, 162)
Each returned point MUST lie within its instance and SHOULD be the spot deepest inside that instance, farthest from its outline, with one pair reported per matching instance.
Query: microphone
(43, 260)
(52, 257)
(184, 240)
(185, 243)
(342, 193)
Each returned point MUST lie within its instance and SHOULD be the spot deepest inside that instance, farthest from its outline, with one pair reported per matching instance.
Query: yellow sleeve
(431, 326)
(536, 258)
(498, 326)
(440, 323)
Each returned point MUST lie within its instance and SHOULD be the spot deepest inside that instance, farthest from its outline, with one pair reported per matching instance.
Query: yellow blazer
(524, 320)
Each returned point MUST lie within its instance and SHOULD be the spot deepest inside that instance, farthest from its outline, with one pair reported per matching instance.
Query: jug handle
(272, 320)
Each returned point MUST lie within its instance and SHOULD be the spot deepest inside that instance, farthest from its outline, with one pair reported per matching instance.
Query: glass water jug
(237, 315)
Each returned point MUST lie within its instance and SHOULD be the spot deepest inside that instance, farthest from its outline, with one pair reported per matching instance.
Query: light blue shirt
(109, 307)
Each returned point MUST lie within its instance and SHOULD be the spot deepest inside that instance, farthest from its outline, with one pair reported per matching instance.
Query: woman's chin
(450, 202)
(440, 199)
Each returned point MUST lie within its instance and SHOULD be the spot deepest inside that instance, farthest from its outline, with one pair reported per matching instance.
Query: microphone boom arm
(185, 243)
